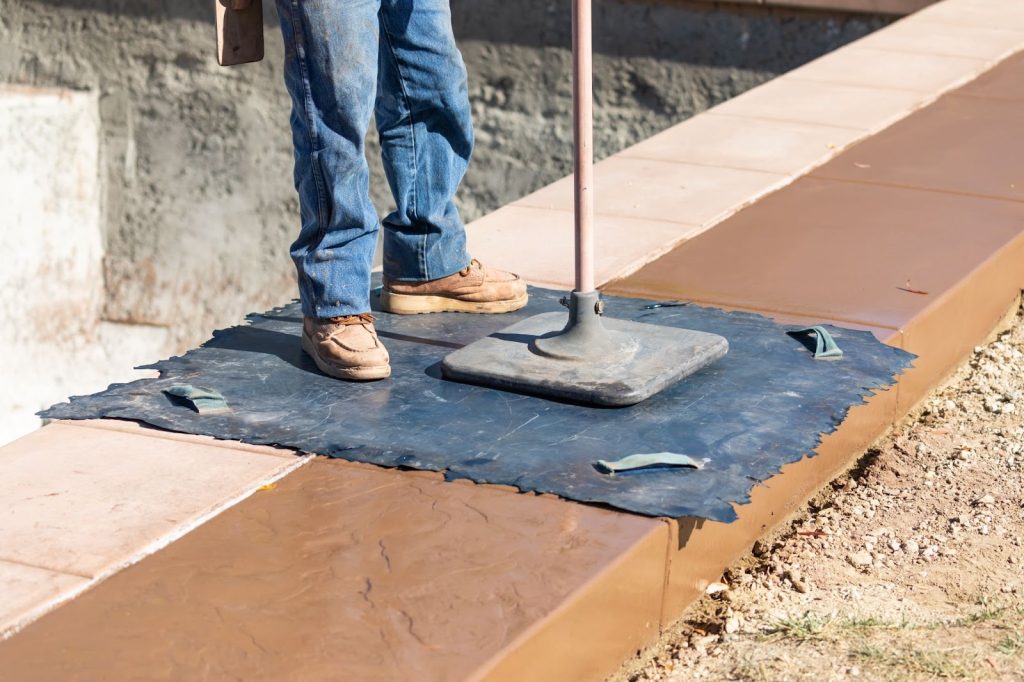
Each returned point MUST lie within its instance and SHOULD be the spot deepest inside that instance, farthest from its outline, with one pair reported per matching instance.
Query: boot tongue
(358, 338)
(354, 332)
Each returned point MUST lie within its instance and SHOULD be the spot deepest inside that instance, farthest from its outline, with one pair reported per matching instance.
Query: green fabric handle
(204, 400)
(656, 459)
(825, 347)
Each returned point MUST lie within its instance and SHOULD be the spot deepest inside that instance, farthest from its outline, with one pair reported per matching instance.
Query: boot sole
(340, 372)
(410, 304)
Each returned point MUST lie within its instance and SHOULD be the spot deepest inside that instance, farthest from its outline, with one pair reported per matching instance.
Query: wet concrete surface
(824, 250)
(1004, 82)
(349, 572)
(958, 145)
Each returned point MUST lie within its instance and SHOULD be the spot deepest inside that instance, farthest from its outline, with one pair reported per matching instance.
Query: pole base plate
(648, 359)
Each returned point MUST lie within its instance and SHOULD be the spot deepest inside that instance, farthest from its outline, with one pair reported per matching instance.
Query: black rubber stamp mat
(766, 404)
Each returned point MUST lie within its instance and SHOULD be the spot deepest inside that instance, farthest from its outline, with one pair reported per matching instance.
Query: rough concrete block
(50, 246)
(52, 342)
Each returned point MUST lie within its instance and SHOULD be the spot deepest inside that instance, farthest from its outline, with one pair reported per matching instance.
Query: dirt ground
(910, 567)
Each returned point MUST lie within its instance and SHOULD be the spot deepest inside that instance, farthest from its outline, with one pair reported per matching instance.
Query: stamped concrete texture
(85, 468)
(347, 571)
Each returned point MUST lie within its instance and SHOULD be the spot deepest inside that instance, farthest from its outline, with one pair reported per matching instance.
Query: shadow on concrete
(687, 526)
(264, 341)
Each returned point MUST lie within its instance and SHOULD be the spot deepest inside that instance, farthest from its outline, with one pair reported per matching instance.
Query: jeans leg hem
(325, 312)
(422, 278)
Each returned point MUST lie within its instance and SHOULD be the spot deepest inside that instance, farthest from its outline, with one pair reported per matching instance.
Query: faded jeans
(397, 60)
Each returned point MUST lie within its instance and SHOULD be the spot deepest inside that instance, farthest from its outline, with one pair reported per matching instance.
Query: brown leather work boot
(472, 290)
(346, 347)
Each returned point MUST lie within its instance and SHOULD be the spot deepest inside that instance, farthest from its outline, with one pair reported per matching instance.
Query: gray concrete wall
(195, 164)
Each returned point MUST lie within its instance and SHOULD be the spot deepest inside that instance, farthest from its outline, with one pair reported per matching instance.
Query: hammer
(239, 31)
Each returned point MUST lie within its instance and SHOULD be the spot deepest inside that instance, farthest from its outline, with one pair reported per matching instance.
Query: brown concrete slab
(958, 144)
(946, 332)
(831, 250)
(1006, 81)
(589, 635)
(347, 571)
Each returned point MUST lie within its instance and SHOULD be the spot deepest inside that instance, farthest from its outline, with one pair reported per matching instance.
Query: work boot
(473, 289)
(346, 347)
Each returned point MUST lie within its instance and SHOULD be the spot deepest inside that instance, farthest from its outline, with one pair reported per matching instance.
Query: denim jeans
(346, 60)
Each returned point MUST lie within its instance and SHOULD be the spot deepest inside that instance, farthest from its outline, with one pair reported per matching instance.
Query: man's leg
(426, 134)
(331, 73)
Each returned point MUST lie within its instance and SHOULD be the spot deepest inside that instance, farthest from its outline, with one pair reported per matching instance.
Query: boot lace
(469, 268)
(362, 318)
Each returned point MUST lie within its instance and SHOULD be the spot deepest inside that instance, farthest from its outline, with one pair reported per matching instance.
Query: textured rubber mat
(767, 403)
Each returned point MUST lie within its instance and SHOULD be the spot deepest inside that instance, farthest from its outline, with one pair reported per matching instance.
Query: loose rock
(860, 559)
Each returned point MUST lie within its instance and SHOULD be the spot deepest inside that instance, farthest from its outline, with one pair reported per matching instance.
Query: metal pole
(583, 158)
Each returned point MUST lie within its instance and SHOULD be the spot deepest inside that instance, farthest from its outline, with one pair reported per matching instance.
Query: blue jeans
(346, 60)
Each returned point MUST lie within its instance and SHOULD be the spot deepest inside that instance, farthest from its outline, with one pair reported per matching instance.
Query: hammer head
(239, 31)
